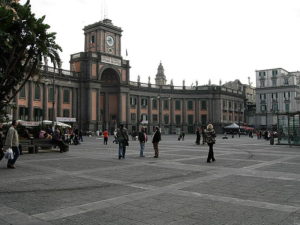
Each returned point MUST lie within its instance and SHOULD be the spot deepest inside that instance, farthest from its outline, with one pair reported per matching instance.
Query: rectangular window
(203, 105)
(23, 113)
(50, 113)
(224, 104)
(190, 119)
(263, 108)
(287, 107)
(275, 107)
(154, 104)
(50, 94)
(190, 105)
(22, 93)
(177, 105)
(230, 105)
(154, 118)
(37, 114)
(262, 83)
(144, 117)
(37, 92)
(224, 117)
(144, 102)
(286, 81)
(133, 117)
(166, 119)
(166, 104)
(274, 82)
(262, 74)
(178, 119)
(274, 73)
(66, 113)
(133, 101)
(66, 96)
(93, 39)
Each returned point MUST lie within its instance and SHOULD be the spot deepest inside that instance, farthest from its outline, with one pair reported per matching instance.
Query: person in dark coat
(122, 137)
(211, 140)
(155, 140)
(198, 136)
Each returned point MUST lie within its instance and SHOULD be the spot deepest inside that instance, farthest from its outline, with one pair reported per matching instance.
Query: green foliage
(25, 41)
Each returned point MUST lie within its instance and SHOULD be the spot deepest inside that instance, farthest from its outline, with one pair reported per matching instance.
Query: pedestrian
(155, 140)
(122, 138)
(142, 137)
(105, 136)
(80, 135)
(12, 141)
(182, 135)
(198, 136)
(211, 140)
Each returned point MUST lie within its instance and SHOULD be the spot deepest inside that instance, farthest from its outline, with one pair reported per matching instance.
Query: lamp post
(53, 102)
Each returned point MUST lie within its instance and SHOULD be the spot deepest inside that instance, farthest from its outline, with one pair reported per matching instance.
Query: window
(286, 95)
(224, 104)
(224, 117)
(133, 117)
(275, 107)
(274, 73)
(263, 108)
(166, 119)
(177, 105)
(154, 118)
(235, 106)
(262, 96)
(66, 113)
(274, 82)
(190, 119)
(204, 119)
(37, 114)
(133, 101)
(229, 105)
(37, 92)
(23, 113)
(22, 93)
(286, 81)
(287, 107)
(274, 96)
(144, 117)
(154, 104)
(262, 74)
(50, 94)
(262, 83)
(190, 105)
(50, 113)
(93, 39)
(66, 96)
(178, 119)
(203, 105)
(144, 102)
(166, 104)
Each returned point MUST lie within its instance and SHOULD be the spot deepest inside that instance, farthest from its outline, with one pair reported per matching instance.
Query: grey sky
(194, 39)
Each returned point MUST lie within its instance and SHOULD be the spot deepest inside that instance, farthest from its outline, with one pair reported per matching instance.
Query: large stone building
(277, 92)
(97, 91)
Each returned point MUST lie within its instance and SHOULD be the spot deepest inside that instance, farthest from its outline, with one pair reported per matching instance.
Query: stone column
(149, 114)
(45, 102)
(30, 101)
(98, 109)
(184, 114)
(59, 101)
(128, 110)
(106, 108)
(120, 108)
(138, 112)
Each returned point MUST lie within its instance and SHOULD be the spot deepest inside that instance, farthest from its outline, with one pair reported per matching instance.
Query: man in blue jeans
(142, 139)
(12, 141)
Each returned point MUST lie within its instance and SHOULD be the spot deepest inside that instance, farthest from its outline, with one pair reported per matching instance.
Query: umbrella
(232, 126)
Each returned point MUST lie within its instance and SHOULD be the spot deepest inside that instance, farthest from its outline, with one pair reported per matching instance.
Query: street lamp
(53, 100)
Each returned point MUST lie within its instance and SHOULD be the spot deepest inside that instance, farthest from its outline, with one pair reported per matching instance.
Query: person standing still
(155, 140)
(210, 139)
(105, 136)
(198, 136)
(122, 138)
(142, 137)
(12, 141)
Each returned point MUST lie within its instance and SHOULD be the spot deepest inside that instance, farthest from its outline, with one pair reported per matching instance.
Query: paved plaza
(251, 183)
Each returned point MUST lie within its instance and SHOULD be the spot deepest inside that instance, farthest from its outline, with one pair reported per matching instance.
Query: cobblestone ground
(250, 183)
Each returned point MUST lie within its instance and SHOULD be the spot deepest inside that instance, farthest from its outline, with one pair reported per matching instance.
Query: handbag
(9, 154)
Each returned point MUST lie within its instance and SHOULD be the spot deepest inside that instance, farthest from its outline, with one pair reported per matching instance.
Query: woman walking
(211, 140)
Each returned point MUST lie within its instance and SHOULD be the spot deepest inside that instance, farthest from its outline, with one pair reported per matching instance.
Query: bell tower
(160, 78)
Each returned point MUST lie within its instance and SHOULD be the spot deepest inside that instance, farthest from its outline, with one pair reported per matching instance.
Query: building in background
(97, 91)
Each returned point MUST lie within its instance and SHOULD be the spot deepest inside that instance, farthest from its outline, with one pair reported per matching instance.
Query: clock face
(110, 41)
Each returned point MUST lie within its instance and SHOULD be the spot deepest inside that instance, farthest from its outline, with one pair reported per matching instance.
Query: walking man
(122, 138)
(12, 141)
(198, 136)
(142, 139)
(155, 140)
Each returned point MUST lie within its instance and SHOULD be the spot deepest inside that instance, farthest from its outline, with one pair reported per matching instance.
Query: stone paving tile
(150, 175)
(282, 167)
(294, 160)
(221, 163)
(77, 164)
(49, 194)
(252, 188)
(250, 156)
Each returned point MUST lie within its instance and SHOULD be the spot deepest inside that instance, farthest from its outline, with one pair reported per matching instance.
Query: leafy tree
(24, 42)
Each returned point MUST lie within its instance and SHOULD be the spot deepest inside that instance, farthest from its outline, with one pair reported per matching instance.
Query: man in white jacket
(12, 141)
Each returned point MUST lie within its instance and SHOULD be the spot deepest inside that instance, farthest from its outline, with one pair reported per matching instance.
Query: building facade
(277, 92)
(97, 91)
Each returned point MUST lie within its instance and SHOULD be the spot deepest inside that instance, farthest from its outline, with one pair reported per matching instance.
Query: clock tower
(103, 37)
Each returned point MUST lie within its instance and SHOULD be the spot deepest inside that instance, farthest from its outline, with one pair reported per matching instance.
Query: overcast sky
(194, 39)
